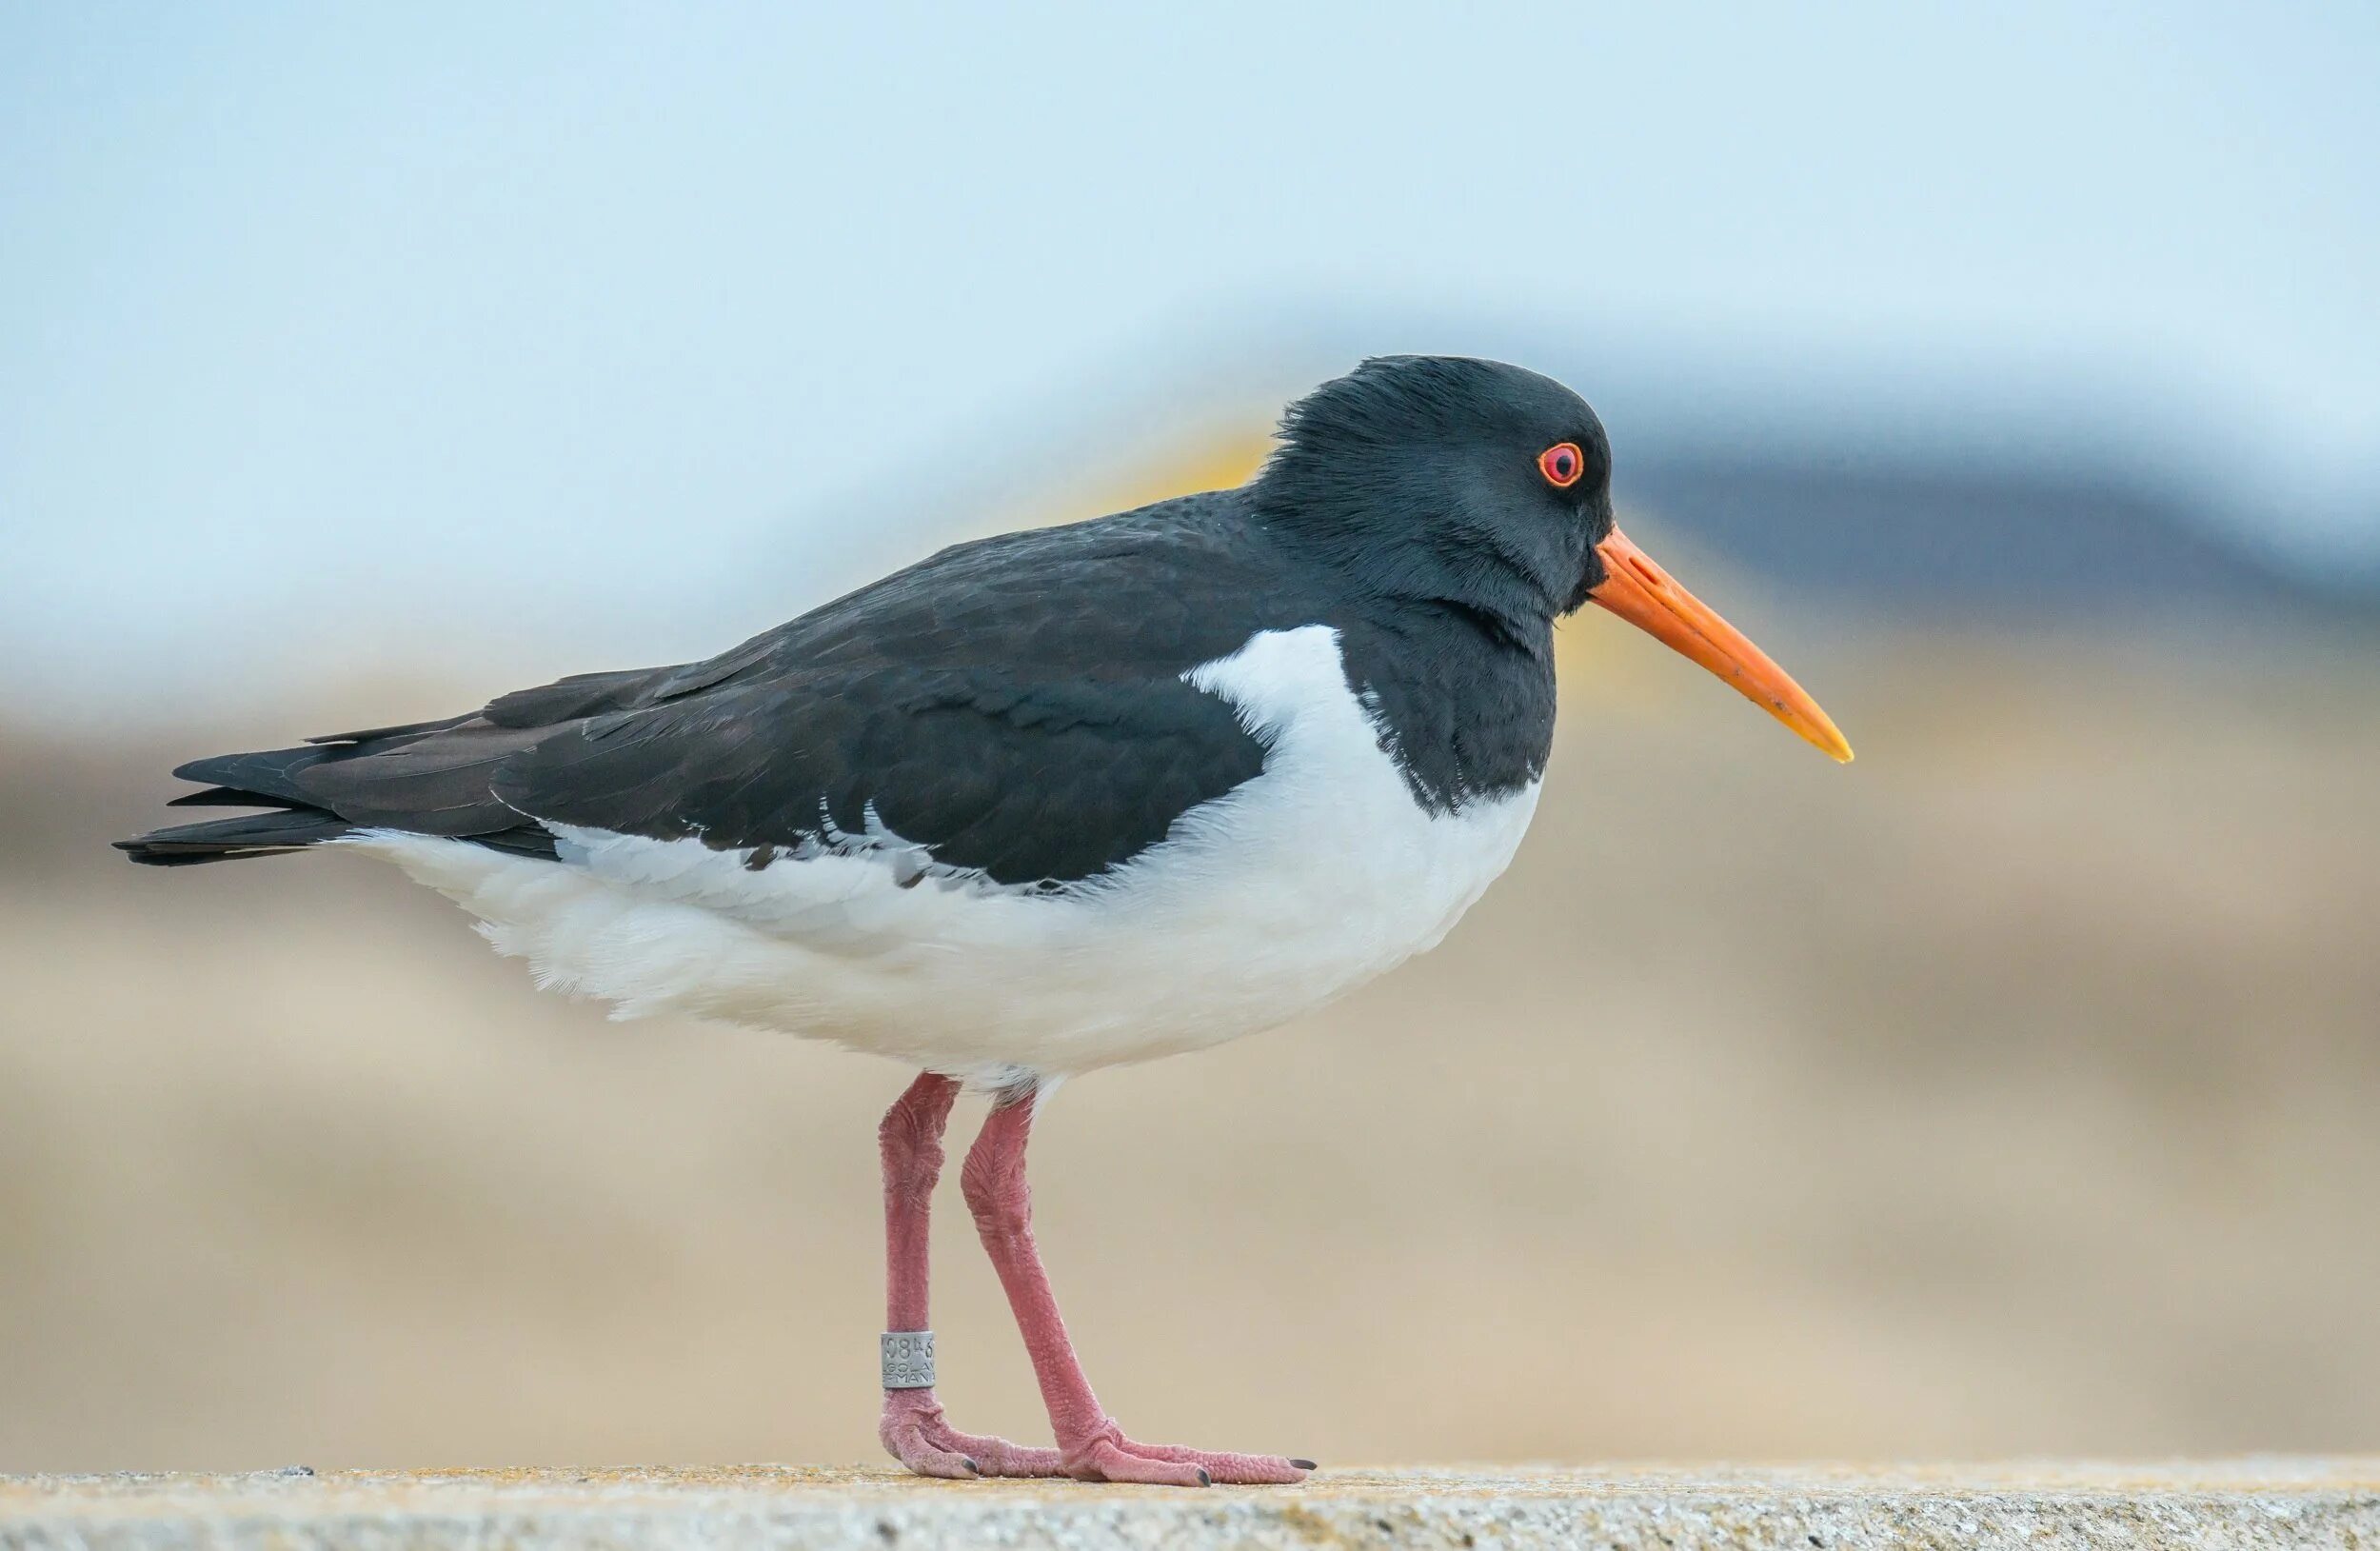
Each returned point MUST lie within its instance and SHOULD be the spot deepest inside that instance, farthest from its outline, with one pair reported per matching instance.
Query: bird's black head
(1474, 486)
(1446, 479)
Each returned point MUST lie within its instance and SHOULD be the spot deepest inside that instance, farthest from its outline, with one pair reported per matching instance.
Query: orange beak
(1643, 594)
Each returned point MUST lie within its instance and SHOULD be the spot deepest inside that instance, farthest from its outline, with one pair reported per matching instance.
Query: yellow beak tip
(1828, 742)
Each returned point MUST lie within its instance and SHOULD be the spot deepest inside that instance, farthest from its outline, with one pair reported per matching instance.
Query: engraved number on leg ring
(908, 1359)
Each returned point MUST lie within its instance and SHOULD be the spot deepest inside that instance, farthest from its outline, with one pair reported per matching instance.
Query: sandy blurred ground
(2015, 1090)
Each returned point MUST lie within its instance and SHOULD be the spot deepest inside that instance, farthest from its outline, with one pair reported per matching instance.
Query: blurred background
(2011, 373)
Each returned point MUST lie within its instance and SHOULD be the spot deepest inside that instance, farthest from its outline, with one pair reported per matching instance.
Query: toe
(1229, 1469)
(998, 1457)
(1257, 1470)
(909, 1444)
(1112, 1463)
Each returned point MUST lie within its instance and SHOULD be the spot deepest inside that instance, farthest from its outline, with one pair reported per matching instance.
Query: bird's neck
(1464, 700)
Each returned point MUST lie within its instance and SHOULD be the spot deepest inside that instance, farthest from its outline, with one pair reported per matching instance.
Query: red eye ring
(1562, 465)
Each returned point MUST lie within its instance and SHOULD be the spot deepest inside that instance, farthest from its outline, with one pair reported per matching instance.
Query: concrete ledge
(2329, 1502)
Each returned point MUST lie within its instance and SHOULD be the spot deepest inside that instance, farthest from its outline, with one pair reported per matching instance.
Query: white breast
(1289, 890)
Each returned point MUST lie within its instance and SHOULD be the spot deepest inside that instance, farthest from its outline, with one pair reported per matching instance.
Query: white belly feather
(1294, 887)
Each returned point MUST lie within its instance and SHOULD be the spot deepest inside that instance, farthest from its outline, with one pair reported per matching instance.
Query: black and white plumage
(1044, 801)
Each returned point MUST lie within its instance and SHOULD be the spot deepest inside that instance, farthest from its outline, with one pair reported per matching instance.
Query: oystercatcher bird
(1047, 802)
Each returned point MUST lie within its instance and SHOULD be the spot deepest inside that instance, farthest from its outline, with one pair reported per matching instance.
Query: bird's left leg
(912, 1428)
(1091, 1445)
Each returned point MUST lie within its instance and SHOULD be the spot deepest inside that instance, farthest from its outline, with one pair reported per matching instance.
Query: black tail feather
(405, 731)
(226, 840)
(230, 797)
(269, 775)
(424, 778)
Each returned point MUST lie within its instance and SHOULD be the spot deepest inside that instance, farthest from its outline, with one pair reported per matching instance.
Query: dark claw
(1205, 1480)
(1303, 1465)
(973, 1469)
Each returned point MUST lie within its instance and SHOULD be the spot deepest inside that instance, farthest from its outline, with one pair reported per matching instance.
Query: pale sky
(334, 332)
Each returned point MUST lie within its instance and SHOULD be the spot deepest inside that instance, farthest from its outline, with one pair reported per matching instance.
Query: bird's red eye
(1562, 465)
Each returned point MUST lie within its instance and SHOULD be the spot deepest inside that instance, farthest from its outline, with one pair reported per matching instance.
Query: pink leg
(1090, 1443)
(912, 1428)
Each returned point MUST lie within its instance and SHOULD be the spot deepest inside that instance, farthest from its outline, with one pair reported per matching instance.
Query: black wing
(1028, 781)
(1015, 706)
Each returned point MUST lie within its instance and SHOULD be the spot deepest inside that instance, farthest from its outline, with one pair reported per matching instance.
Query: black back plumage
(1017, 706)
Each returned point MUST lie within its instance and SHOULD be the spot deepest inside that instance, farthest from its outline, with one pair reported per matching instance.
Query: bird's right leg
(910, 1140)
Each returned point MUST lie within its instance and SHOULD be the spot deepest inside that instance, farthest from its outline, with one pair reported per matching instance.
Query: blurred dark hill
(1917, 539)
